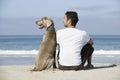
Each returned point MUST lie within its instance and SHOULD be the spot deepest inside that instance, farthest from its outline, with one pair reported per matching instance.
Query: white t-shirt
(71, 41)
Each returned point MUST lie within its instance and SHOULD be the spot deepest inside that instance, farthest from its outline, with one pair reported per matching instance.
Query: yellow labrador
(46, 55)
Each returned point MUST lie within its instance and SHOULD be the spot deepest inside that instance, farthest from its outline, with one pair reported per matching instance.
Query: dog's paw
(34, 69)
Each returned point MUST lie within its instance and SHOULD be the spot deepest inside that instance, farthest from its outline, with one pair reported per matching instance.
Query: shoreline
(29, 60)
(22, 72)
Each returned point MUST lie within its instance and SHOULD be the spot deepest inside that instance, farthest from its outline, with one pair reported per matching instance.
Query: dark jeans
(86, 52)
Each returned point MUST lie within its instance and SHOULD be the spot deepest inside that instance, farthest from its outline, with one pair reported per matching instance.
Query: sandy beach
(22, 72)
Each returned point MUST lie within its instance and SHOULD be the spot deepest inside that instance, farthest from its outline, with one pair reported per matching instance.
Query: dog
(46, 54)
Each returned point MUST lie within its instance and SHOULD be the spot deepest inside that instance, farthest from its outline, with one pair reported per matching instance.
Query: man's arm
(90, 41)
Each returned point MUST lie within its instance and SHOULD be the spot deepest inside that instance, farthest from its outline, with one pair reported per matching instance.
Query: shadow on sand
(99, 67)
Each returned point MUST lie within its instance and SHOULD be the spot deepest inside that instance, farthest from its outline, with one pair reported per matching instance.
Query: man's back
(71, 41)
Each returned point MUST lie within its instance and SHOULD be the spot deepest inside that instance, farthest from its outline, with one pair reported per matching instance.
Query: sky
(97, 17)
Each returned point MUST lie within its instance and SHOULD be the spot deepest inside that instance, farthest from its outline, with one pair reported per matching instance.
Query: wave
(18, 53)
(107, 52)
(33, 53)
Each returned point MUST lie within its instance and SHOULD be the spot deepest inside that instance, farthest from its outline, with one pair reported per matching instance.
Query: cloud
(114, 13)
(89, 8)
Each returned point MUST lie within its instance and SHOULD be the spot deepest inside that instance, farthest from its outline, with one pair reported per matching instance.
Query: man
(72, 54)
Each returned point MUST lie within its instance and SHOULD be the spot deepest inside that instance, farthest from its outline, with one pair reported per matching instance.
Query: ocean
(22, 49)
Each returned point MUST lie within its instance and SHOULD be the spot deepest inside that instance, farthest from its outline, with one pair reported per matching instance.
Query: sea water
(22, 49)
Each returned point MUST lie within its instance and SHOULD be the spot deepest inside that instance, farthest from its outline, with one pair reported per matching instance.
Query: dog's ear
(47, 21)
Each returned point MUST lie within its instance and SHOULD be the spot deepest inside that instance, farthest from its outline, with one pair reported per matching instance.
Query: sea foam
(19, 53)
(32, 53)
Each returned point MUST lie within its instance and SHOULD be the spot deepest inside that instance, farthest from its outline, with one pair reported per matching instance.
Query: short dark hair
(73, 16)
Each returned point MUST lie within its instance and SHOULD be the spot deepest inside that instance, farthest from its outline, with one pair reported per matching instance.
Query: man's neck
(70, 26)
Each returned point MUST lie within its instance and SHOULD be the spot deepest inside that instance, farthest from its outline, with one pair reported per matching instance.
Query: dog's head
(44, 22)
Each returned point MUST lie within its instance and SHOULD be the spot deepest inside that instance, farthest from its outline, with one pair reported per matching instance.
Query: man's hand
(90, 41)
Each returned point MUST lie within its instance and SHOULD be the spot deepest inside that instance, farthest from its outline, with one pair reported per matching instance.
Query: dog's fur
(46, 55)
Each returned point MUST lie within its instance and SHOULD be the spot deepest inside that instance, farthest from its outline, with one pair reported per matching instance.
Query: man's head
(70, 19)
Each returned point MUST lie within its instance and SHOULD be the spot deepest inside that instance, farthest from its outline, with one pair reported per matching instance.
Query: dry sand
(20, 72)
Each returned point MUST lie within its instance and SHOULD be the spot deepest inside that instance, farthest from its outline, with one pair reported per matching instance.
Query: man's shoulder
(75, 30)
(61, 30)
(81, 31)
